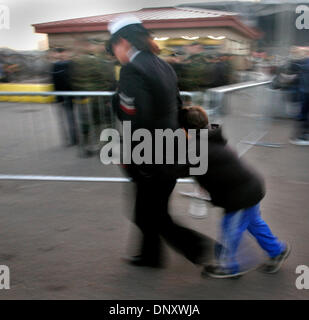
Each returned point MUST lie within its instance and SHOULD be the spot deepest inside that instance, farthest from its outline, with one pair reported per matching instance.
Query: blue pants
(232, 228)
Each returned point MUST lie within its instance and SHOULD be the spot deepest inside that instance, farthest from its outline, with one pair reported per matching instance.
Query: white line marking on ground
(244, 148)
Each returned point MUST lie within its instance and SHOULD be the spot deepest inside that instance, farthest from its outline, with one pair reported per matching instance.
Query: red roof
(153, 18)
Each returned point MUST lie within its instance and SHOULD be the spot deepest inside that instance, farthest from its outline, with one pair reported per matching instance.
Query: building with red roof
(171, 26)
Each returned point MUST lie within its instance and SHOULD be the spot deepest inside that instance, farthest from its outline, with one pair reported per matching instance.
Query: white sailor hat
(121, 22)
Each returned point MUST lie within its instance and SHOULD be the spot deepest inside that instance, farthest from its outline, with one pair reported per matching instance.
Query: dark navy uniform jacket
(148, 96)
(231, 182)
(148, 93)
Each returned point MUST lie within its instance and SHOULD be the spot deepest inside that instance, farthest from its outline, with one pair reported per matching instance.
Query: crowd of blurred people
(88, 67)
(23, 66)
(6, 71)
(293, 78)
(197, 70)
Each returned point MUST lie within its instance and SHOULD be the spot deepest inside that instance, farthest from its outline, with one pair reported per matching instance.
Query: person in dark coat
(302, 136)
(237, 188)
(61, 78)
(149, 98)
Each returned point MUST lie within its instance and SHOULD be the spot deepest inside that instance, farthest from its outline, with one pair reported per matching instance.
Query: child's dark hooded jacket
(231, 182)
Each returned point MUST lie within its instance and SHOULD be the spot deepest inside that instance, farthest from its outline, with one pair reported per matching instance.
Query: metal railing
(214, 101)
(84, 104)
(217, 95)
(220, 104)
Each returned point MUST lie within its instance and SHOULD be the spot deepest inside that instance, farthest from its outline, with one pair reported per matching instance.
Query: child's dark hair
(137, 36)
(194, 117)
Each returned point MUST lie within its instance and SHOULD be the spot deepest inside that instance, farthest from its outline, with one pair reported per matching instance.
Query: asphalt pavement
(66, 240)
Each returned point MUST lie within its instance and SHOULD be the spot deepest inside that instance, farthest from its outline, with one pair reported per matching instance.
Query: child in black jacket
(238, 189)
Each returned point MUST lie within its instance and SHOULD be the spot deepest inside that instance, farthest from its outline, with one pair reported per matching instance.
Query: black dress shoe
(140, 261)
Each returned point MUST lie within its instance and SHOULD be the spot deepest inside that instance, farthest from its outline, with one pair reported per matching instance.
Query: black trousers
(154, 221)
(69, 113)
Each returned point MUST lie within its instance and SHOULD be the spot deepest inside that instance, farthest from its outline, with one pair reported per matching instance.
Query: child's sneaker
(274, 264)
(302, 140)
(218, 272)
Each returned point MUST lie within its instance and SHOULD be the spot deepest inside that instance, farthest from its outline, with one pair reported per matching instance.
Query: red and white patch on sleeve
(127, 104)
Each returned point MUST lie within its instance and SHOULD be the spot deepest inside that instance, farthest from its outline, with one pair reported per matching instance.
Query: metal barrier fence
(247, 110)
(251, 109)
(83, 113)
(31, 138)
(217, 95)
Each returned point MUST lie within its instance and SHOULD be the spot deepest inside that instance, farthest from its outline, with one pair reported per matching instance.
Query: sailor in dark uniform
(148, 96)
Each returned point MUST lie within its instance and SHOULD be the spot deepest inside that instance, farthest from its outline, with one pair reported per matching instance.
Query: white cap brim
(122, 22)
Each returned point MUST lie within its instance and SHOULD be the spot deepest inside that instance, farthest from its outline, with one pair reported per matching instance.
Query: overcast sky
(23, 13)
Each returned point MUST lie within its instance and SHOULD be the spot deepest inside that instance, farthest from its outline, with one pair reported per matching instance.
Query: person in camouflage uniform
(195, 73)
(197, 70)
(194, 69)
(93, 70)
